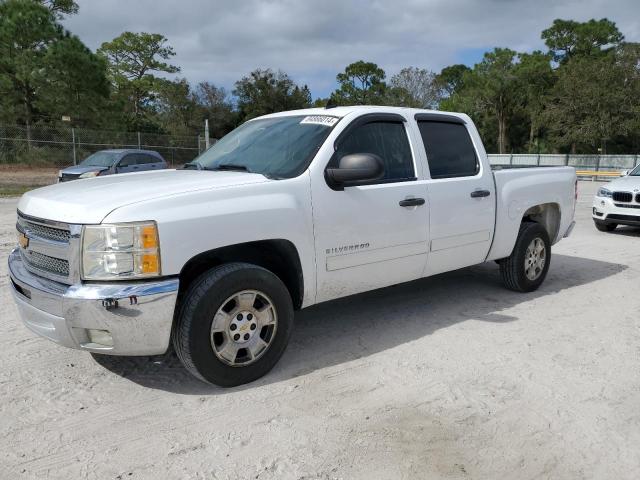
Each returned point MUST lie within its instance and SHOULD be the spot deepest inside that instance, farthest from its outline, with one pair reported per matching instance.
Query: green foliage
(132, 59)
(217, 108)
(536, 78)
(450, 79)
(581, 95)
(60, 8)
(361, 83)
(73, 82)
(27, 30)
(266, 91)
(593, 102)
(568, 38)
(491, 90)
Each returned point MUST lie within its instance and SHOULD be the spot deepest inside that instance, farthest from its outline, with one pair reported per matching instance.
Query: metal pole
(206, 134)
(139, 143)
(73, 141)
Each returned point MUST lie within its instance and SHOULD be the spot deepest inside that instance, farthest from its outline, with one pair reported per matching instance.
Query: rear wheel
(233, 324)
(605, 227)
(526, 268)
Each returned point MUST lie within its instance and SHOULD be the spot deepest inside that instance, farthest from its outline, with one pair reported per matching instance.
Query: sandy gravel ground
(450, 377)
(21, 175)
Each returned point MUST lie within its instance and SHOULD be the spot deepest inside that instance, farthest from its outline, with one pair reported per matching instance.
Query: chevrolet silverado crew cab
(618, 202)
(288, 210)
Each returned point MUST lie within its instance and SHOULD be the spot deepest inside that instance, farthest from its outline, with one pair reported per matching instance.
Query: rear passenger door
(461, 194)
(148, 162)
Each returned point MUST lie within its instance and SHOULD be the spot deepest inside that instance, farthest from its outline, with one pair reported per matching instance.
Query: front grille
(48, 247)
(68, 176)
(624, 218)
(46, 263)
(622, 196)
(43, 231)
(626, 205)
(638, 198)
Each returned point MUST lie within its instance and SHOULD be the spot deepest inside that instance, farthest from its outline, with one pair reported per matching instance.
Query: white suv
(618, 203)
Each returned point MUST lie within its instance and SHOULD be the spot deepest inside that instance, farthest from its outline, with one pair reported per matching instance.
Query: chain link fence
(601, 163)
(64, 146)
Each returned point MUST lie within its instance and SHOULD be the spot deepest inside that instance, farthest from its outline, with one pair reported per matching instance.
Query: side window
(127, 160)
(147, 159)
(388, 140)
(450, 152)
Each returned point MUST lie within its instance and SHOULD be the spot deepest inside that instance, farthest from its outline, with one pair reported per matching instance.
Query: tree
(27, 29)
(536, 78)
(420, 86)
(266, 91)
(361, 83)
(594, 101)
(567, 38)
(60, 8)
(216, 106)
(491, 90)
(133, 58)
(450, 79)
(73, 82)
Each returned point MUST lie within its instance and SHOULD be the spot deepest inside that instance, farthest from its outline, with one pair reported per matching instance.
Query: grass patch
(15, 190)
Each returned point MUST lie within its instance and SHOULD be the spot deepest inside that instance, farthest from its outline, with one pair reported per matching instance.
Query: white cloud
(222, 40)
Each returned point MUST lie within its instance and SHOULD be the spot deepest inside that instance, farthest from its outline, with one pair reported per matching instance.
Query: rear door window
(450, 151)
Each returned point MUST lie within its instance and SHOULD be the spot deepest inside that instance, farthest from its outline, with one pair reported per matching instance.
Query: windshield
(279, 147)
(635, 172)
(99, 159)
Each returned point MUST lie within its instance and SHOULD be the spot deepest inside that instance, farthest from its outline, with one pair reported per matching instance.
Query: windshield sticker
(320, 120)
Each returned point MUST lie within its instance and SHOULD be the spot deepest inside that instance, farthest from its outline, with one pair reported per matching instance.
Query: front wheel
(233, 324)
(526, 268)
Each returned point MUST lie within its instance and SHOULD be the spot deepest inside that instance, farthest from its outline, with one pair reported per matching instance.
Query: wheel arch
(546, 214)
(279, 256)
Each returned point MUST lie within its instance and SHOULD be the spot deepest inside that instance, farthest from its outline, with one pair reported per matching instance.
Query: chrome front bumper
(137, 315)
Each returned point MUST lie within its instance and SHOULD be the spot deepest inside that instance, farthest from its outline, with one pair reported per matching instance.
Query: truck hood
(91, 200)
(80, 169)
(630, 183)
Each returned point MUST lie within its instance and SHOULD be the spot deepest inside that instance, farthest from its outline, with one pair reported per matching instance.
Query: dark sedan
(109, 162)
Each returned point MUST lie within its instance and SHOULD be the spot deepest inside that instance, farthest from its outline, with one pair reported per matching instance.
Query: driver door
(364, 237)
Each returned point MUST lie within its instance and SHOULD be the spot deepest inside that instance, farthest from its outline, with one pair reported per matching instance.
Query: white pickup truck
(286, 211)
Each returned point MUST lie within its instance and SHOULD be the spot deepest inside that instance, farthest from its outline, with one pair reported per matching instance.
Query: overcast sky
(222, 40)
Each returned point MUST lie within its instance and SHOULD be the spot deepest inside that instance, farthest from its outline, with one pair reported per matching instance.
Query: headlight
(89, 174)
(603, 192)
(123, 251)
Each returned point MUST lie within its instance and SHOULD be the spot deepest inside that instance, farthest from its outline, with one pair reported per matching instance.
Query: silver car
(109, 162)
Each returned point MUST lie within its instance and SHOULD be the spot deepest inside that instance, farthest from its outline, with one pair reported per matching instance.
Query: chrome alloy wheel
(535, 259)
(243, 328)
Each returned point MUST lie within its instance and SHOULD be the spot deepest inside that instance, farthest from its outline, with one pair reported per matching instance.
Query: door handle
(480, 193)
(411, 202)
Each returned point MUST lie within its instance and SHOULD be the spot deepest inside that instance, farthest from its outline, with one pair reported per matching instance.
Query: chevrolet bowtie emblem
(23, 240)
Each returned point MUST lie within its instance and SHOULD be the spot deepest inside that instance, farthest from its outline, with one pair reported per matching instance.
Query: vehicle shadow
(350, 328)
(627, 231)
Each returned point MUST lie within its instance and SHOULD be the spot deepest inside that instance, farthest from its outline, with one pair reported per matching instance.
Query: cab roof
(361, 109)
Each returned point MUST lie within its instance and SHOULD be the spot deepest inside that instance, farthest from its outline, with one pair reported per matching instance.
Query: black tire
(192, 327)
(512, 268)
(605, 227)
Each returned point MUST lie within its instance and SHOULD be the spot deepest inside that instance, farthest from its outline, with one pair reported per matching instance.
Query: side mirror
(355, 169)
